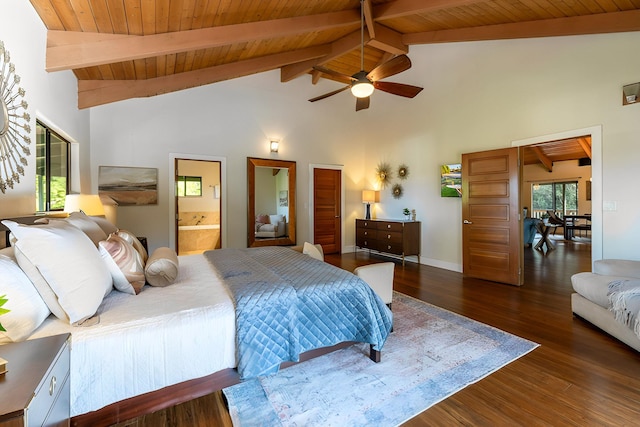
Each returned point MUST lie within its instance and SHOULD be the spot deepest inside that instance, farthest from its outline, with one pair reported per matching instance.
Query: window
(560, 197)
(189, 186)
(53, 162)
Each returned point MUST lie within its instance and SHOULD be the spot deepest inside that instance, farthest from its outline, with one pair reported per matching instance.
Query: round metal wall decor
(14, 124)
(397, 191)
(403, 171)
(384, 174)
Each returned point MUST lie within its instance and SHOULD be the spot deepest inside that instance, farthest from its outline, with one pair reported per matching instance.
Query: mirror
(271, 204)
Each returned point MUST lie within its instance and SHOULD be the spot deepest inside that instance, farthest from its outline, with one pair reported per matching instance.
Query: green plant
(3, 300)
(406, 211)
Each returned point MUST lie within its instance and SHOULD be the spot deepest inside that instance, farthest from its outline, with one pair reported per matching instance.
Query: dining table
(570, 224)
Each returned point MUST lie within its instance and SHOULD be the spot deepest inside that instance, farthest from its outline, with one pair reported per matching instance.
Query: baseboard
(423, 260)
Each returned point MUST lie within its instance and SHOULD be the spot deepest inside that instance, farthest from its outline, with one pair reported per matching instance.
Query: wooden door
(491, 232)
(327, 208)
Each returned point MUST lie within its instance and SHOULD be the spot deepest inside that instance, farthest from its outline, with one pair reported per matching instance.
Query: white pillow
(312, 251)
(104, 223)
(120, 281)
(88, 226)
(27, 310)
(128, 262)
(162, 267)
(69, 263)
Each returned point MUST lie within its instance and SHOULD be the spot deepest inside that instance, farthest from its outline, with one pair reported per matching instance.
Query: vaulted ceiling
(121, 49)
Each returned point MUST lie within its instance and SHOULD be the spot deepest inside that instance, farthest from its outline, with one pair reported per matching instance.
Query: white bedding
(145, 342)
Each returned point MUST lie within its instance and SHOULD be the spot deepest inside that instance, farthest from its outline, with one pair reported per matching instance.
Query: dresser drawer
(364, 223)
(390, 247)
(387, 237)
(49, 393)
(390, 226)
(366, 242)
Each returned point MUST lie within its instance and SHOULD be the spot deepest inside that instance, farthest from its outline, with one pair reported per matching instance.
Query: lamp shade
(90, 204)
(368, 196)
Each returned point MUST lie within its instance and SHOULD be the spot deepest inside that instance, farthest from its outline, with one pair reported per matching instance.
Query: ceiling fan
(363, 83)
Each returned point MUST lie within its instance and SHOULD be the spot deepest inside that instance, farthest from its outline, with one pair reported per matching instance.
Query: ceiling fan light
(362, 89)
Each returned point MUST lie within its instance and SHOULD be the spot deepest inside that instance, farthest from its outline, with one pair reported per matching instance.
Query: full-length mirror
(271, 204)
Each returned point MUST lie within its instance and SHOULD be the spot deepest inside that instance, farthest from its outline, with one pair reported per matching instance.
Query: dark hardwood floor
(579, 376)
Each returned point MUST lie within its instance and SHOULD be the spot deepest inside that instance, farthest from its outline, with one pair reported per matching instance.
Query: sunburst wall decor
(384, 174)
(14, 124)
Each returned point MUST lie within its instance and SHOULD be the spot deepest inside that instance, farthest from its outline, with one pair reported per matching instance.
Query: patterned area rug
(432, 354)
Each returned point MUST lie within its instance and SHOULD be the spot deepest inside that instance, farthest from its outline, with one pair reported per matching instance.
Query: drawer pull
(366, 233)
(388, 225)
(388, 236)
(366, 224)
(365, 243)
(389, 247)
(52, 386)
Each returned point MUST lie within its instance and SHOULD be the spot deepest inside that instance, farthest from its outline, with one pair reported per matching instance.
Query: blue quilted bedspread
(288, 303)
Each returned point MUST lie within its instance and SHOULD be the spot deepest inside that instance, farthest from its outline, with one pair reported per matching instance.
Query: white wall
(51, 97)
(477, 96)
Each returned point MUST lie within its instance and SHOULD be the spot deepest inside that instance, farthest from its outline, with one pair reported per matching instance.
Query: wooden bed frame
(178, 393)
(172, 395)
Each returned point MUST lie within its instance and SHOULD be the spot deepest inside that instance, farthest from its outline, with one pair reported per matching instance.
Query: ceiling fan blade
(394, 66)
(400, 89)
(341, 77)
(326, 95)
(362, 103)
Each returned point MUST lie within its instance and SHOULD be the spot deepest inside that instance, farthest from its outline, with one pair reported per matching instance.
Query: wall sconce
(273, 145)
(631, 93)
(368, 197)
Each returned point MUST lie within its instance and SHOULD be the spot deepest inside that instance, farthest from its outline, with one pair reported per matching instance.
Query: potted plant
(407, 213)
(3, 300)
(545, 217)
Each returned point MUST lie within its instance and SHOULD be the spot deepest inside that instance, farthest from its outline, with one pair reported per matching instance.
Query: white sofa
(590, 300)
(276, 226)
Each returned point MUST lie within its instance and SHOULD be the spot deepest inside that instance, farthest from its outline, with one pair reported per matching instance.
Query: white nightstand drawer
(48, 393)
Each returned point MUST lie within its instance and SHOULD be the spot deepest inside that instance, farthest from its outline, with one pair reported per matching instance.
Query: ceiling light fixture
(362, 87)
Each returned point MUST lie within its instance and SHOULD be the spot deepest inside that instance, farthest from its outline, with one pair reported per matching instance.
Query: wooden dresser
(390, 236)
(35, 389)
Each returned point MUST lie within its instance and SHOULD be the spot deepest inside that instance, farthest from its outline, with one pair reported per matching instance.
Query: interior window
(53, 161)
(560, 197)
(189, 186)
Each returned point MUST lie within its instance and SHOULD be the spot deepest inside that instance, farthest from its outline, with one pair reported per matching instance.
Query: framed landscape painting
(451, 180)
(129, 186)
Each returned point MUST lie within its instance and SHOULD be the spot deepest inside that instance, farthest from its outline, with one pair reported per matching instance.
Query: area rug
(432, 354)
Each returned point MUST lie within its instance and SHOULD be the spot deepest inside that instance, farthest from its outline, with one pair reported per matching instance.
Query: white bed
(188, 327)
(138, 348)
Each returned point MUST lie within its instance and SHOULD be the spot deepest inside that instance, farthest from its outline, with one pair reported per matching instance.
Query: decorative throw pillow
(128, 262)
(27, 310)
(312, 251)
(88, 226)
(133, 240)
(69, 265)
(162, 267)
(262, 218)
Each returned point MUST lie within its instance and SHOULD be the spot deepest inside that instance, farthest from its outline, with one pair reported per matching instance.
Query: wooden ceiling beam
(92, 93)
(572, 26)
(337, 48)
(546, 162)
(400, 8)
(388, 40)
(368, 18)
(67, 50)
(586, 146)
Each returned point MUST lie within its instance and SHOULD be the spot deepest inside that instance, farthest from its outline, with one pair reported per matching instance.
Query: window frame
(48, 132)
(182, 181)
(554, 196)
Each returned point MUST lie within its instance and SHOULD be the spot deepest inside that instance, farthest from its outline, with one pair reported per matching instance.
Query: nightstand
(35, 390)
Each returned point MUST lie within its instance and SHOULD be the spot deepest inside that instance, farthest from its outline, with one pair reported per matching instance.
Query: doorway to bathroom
(198, 206)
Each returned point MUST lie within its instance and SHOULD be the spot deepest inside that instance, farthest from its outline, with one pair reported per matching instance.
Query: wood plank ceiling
(121, 49)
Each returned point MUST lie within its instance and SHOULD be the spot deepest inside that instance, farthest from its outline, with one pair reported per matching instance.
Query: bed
(168, 344)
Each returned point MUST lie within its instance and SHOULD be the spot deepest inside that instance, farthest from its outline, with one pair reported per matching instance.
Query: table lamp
(368, 197)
